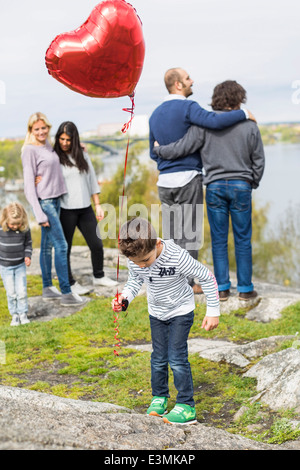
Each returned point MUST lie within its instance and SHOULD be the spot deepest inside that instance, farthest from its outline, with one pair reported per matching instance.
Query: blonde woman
(15, 255)
(39, 159)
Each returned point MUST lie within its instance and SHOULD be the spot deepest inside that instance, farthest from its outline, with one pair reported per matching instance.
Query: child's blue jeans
(169, 342)
(15, 283)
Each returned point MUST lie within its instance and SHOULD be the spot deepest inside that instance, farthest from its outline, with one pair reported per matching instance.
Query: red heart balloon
(104, 57)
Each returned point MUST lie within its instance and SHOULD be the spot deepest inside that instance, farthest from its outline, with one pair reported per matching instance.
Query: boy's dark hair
(137, 237)
(228, 95)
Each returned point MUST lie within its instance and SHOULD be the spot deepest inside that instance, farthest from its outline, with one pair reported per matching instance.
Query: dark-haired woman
(76, 209)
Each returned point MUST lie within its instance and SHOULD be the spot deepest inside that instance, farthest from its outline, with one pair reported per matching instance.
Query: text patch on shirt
(167, 271)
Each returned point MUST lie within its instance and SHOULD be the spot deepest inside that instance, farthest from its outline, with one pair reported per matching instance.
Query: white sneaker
(104, 281)
(23, 319)
(69, 300)
(15, 320)
(79, 289)
(51, 293)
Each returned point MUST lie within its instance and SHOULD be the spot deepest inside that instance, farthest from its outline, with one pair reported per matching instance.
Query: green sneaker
(158, 406)
(181, 414)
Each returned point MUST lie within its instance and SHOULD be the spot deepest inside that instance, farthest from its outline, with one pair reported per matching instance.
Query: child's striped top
(168, 291)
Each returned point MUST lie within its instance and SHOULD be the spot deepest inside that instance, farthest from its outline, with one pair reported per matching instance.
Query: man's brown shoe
(197, 289)
(247, 295)
(223, 295)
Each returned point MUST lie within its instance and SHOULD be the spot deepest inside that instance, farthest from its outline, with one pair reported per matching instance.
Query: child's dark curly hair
(137, 237)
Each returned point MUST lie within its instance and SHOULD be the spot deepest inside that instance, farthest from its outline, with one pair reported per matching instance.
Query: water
(6, 197)
(280, 186)
(111, 163)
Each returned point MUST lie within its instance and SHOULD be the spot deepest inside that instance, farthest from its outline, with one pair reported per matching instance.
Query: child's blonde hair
(14, 213)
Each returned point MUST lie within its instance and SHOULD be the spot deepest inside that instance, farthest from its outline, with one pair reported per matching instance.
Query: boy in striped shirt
(165, 268)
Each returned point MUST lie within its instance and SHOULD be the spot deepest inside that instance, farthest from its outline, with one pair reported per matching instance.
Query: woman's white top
(80, 186)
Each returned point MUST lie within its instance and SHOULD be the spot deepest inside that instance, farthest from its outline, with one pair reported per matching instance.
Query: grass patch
(73, 357)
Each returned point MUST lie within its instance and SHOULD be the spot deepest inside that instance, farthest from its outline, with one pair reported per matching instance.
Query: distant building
(139, 127)
(14, 185)
(104, 130)
(88, 134)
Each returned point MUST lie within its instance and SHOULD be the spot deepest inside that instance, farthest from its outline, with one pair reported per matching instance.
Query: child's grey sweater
(14, 247)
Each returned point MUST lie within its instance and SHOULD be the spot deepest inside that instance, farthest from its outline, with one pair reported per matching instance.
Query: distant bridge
(108, 148)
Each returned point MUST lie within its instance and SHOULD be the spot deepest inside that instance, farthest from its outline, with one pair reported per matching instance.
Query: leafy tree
(10, 159)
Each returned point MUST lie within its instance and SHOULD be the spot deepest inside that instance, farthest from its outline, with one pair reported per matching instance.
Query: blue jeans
(15, 284)
(234, 197)
(169, 342)
(53, 237)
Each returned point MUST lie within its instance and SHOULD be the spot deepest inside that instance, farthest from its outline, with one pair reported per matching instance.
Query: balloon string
(131, 111)
(125, 128)
(118, 343)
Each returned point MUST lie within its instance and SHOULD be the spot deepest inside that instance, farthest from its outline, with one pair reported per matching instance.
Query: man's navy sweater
(170, 122)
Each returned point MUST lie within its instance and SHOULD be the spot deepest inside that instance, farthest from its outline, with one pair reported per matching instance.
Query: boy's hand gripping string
(118, 307)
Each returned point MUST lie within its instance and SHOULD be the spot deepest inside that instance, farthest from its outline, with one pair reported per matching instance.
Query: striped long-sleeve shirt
(14, 247)
(168, 291)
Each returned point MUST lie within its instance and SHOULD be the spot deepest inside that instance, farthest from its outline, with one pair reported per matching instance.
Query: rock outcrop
(36, 421)
(278, 380)
(33, 420)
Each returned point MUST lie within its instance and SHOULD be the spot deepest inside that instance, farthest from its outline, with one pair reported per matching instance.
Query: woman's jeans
(169, 342)
(53, 237)
(234, 197)
(15, 283)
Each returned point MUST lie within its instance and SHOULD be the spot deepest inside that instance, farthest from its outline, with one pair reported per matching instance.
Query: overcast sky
(256, 42)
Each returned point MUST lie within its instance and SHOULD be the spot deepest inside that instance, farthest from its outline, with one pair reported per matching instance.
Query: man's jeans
(15, 283)
(234, 197)
(169, 342)
(53, 237)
